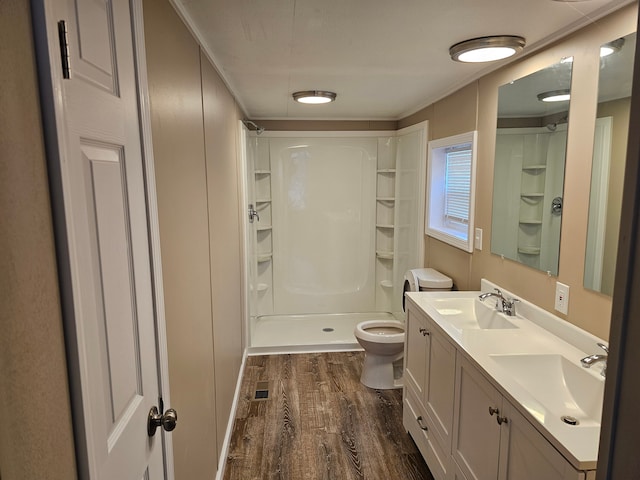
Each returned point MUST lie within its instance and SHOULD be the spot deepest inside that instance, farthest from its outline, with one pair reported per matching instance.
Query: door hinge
(64, 48)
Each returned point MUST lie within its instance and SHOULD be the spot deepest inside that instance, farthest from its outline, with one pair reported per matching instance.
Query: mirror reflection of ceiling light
(611, 47)
(555, 96)
(486, 49)
(314, 97)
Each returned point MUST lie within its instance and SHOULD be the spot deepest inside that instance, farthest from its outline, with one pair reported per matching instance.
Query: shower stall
(334, 220)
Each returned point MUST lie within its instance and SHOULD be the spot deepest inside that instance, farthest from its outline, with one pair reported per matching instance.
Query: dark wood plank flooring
(319, 423)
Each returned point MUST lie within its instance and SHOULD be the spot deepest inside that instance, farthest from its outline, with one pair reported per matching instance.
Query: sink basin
(470, 313)
(561, 387)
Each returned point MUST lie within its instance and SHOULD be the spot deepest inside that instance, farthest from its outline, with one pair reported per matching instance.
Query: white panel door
(102, 227)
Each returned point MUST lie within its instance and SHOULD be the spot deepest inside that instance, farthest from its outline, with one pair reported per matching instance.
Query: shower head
(258, 129)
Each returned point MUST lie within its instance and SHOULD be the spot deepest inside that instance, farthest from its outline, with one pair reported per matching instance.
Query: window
(451, 185)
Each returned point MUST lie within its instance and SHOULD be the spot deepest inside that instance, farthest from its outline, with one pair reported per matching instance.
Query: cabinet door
(476, 433)
(526, 455)
(441, 377)
(416, 353)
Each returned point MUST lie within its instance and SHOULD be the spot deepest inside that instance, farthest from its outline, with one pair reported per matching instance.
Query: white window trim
(435, 226)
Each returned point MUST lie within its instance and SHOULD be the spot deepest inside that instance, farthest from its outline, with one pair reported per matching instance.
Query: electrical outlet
(478, 242)
(562, 298)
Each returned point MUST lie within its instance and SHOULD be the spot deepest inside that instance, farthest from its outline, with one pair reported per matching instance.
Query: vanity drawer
(439, 463)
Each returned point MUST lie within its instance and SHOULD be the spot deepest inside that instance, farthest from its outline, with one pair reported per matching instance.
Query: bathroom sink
(469, 313)
(561, 387)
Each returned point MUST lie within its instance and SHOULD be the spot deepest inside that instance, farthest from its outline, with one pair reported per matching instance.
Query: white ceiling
(385, 59)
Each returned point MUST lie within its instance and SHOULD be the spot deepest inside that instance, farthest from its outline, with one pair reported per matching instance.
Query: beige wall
(475, 107)
(194, 128)
(326, 125)
(221, 117)
(35, 433)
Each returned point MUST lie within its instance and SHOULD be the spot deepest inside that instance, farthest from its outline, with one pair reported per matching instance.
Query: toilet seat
(381, 331)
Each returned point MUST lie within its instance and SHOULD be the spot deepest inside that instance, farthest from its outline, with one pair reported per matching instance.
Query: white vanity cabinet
(429, 377)
(492, 440)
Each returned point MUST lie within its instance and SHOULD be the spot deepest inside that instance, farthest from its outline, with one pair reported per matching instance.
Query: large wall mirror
(531, 141)
(609, 156)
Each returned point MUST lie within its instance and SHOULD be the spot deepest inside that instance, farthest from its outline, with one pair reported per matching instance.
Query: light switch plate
(478, 240)
(562, 298)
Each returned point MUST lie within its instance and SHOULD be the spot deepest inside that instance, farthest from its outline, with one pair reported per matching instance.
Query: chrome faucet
(503, 304)
(595, 358)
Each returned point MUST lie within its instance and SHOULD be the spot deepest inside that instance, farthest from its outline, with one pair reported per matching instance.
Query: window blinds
(457, 186)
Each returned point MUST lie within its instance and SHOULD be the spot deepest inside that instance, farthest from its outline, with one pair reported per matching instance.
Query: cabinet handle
(424, 332)
(501, 420)
(493, 410)
(419, 420)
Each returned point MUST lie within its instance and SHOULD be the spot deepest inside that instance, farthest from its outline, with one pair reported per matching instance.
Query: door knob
(166, 420)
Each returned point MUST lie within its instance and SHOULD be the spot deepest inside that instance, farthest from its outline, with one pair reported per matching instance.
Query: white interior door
(103, 237)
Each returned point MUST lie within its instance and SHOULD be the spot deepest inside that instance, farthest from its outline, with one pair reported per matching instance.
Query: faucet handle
(604, 347)
(497, 290)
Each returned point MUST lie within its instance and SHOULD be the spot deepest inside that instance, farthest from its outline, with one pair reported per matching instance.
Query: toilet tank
(425, 279)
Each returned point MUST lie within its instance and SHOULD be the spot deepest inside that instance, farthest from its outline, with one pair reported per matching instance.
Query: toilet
(383, 340)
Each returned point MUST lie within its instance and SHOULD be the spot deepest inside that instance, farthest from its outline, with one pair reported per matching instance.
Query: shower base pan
(308, 333)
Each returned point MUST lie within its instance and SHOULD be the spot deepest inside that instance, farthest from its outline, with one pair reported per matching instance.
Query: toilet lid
(430, 278)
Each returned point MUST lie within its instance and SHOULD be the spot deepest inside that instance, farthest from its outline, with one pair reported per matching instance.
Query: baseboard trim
(222, 461)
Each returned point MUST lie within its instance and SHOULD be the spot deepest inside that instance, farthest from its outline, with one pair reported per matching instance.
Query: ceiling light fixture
(611, 47)
(486, 49)
(555, 95)
(314, 97)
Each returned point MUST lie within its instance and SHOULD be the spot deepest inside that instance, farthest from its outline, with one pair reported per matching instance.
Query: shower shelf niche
(385, 226)
(261, 228)
(386, 284)
(264, 257)
(262, 172)
(384, 255)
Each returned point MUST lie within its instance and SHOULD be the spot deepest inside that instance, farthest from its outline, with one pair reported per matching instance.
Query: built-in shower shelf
(262, 172)
(386, 284)
(530, 222)
(387, 170)
(384, 226)
(263, 227)
(264, 257)
(532, 195)
(263, 200)
(540, 166)
(386, 199)
(384, 255)
(529, 250)
(262, 287)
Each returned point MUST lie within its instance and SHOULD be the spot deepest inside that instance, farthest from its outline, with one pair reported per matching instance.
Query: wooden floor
(319, 422)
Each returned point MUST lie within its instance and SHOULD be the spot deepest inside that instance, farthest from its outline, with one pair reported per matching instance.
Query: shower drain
(327, 329)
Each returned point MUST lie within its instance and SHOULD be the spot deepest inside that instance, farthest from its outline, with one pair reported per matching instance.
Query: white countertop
(578, 444)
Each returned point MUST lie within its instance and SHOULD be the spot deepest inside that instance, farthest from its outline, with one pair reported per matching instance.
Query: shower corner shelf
(384, 226)
(264, 257)
(262, 172)
(386, 199)
(529, 250)
(387, 170)
(386, 284)
(262, 287)
(261, 228)
(384, 255)
(530, 221)
(263, 200)
(532, 195)
(540, 166)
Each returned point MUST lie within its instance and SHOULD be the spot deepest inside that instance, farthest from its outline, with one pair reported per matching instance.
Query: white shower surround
(324, 218)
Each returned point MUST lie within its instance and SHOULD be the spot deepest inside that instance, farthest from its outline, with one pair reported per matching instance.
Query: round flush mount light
(486, 49)
(611, 47)
(314, 97)
(555, 96)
